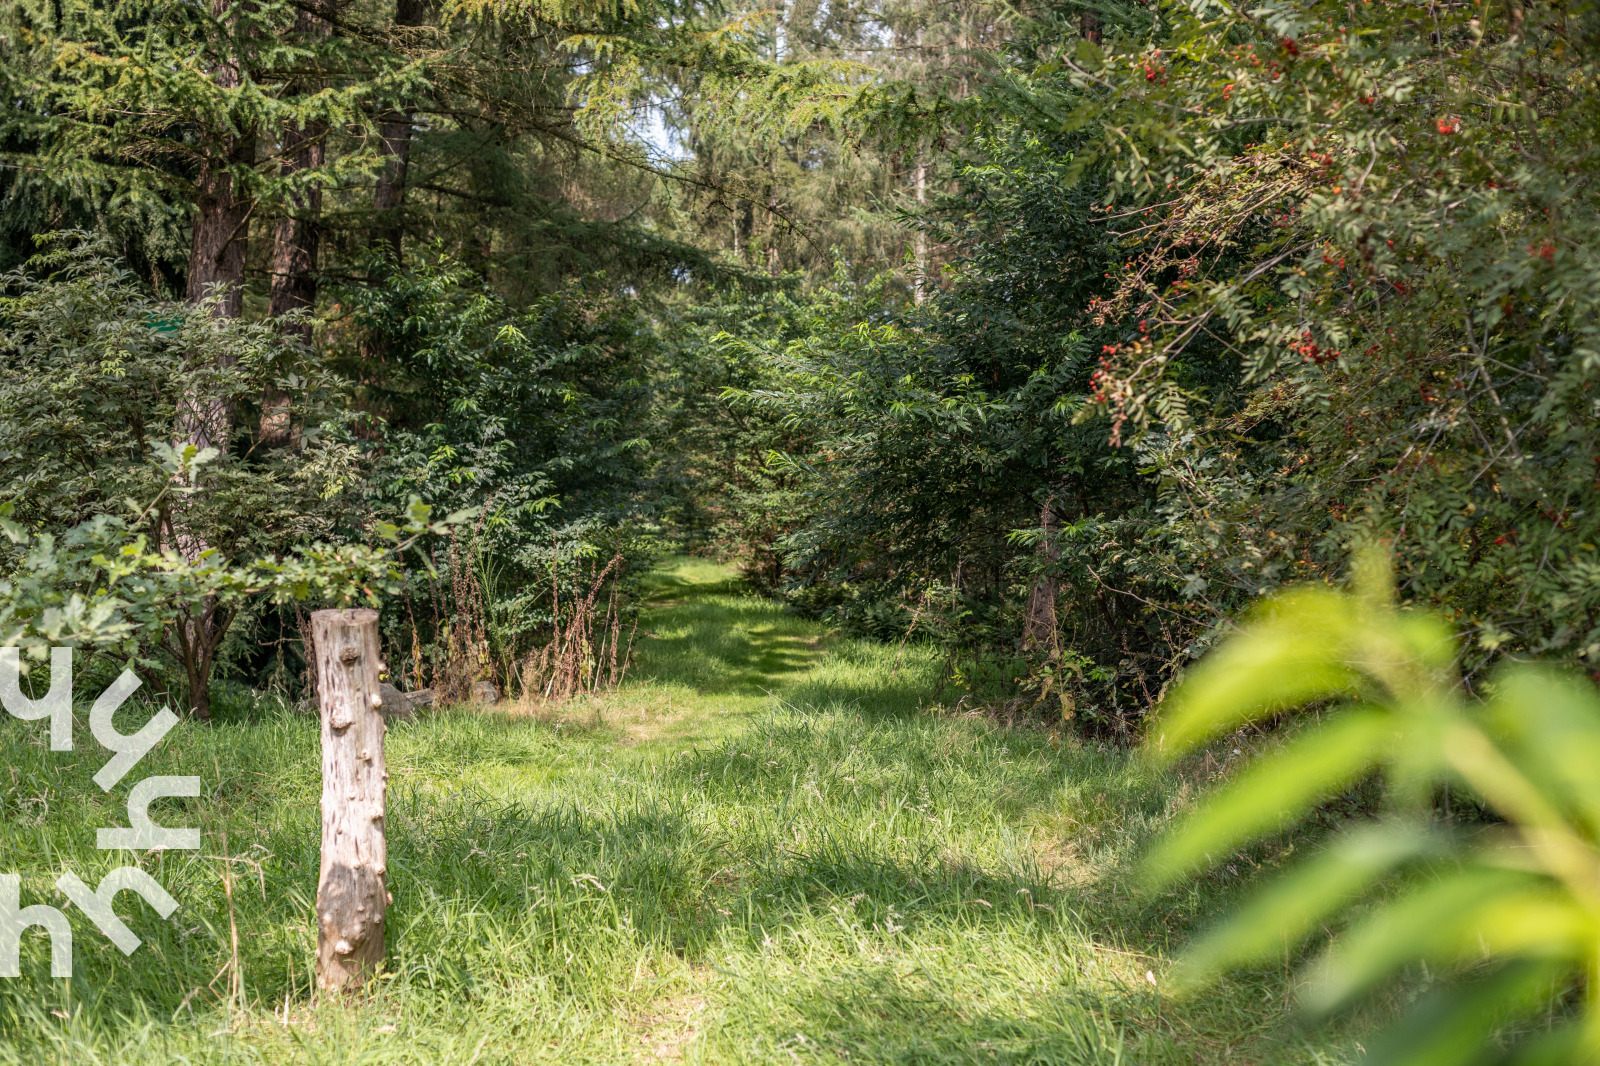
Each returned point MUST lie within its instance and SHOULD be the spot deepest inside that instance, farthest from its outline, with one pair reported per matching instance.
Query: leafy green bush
(535, 415)
(125, 532)
(1388, 216)
(918, 439)
(1507, 908)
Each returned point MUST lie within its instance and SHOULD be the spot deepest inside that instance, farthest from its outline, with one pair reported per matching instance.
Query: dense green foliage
(466, 245)
(1038, 343)
(1513, 906)
(1315, 276)
(1411, 309)
(933, 434)
(124, 541)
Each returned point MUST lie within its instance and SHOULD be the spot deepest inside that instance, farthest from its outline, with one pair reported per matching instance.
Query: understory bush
(181, 487)
(1225, 292)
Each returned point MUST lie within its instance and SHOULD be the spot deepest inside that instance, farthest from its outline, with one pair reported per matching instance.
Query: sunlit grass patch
(764, 848)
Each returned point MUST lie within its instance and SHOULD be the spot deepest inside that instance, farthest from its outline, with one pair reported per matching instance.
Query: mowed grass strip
(766, 847)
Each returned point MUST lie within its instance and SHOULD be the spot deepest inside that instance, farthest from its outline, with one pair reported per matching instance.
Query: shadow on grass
(888, 821)
(879, 1014)
(707, 633)
(716, 638)
(860, 824)
(664, 587)
(716, 654)
(860, 873)
(878, 957)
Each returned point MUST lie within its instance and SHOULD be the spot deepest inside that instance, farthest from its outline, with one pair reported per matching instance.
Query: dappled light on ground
(764, 848)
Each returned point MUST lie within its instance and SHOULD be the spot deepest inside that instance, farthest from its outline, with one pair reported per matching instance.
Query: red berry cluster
(1312, 352)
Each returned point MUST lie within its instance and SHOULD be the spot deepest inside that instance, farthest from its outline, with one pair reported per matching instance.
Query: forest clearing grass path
(763, 848)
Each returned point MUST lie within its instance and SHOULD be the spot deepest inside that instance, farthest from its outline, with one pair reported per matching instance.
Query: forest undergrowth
(766, 846)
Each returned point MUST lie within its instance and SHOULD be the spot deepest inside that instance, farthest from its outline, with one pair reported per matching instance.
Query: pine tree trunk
(216, 264)
(295, 238)
(217, 250)
(920, 281)
(351, 898)
(394, 127)
(294, 244)
(1039, 629)
(294, 262)
(217, 247)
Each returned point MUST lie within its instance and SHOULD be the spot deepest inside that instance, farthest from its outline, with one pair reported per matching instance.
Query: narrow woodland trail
(766, 847)
(886, 881)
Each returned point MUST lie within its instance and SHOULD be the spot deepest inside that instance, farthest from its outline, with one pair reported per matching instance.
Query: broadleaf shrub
(1505, 908)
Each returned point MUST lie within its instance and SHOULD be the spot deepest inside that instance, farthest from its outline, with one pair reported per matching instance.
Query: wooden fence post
(351, 897)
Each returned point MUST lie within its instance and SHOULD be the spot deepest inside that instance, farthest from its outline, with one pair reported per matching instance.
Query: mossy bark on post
(351, 897)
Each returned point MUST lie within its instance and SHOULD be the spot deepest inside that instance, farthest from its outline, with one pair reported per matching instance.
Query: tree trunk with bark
(1039, 629)
(295, 239)
(193, 640)
(351, 898)
(296, 236)
(217, 249)
(216, 265)
(920, 281)
(217, 246)
(394, 127)
(294, 262)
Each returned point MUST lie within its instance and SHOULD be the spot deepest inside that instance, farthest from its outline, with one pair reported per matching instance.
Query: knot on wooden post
(351, 895)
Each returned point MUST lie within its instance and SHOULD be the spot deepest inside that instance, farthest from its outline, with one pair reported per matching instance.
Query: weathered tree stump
(351, 897)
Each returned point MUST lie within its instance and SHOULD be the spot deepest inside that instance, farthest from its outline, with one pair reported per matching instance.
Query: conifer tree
(213, 111)
(303, 148)
(394, 128)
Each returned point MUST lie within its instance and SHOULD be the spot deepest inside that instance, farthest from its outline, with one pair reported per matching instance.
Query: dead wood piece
(351, 898)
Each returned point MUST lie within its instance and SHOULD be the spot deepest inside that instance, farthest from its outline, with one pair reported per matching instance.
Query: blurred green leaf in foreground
(1508, 908)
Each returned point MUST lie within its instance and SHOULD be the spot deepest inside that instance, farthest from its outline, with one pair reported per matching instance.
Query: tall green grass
(764, 848)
